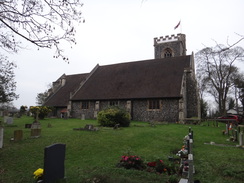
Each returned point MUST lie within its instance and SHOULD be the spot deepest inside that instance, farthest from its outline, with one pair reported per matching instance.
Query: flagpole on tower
(179, 24)
(181, 28)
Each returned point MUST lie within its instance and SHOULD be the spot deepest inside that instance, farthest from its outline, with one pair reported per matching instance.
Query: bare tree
(216, 66)
(44, 23)
(41, 98)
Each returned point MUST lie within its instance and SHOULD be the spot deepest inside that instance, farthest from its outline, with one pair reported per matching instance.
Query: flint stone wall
(192, 97)
(139, 110)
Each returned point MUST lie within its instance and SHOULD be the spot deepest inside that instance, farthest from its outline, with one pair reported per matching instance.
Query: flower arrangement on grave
(131, 162)
(185, 166)
(183, 152)
(38, 174)
(156, 166)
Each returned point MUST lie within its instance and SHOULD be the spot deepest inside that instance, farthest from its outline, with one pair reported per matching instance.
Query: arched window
(167, 53)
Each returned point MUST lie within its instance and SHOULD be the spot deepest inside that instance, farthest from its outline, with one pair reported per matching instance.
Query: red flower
(152, 164)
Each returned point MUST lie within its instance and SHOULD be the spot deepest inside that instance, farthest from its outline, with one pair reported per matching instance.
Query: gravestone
(9, 121)
(89, 127)
(227, 128)
(235, 135)
(54, 157)
(18, 135)
(182, 180)
(1, 137)
(116, 127)
(241, 139)
(5, 119)
(35, 130)
(28, 125)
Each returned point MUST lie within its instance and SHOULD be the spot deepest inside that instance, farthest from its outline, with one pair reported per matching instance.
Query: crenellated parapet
(165, 39)
(170, 46)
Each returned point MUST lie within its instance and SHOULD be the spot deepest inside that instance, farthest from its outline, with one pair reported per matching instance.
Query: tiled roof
(61, 97)
(156, 78)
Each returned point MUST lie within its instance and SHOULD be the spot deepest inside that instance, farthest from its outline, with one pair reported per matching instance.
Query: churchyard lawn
(91, 156)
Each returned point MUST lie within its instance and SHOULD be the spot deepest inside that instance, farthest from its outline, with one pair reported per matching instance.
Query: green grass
(92, 156)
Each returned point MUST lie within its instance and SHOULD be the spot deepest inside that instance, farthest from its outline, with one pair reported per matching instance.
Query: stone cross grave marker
(54, 156)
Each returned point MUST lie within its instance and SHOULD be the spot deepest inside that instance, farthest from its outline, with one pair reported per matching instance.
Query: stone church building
(160, 89)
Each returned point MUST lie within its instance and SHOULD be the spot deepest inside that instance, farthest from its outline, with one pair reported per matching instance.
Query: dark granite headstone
(28, 125)
(54, 157)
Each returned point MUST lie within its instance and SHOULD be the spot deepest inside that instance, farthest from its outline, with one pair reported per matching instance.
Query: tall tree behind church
(217, 66)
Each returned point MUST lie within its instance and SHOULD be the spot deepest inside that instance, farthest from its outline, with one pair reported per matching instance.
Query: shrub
(42, 111)
(112, 116)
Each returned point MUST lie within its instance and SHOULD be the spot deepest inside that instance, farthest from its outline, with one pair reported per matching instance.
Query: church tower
(170, 46)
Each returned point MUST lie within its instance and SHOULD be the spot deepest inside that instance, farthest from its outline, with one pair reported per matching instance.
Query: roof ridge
(83, 82)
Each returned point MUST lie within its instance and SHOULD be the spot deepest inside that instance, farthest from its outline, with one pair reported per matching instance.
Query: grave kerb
(191, 168)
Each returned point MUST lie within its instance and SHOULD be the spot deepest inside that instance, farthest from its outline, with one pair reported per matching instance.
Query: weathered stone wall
(175, 48)
(177, 43)
(139, 112)
(77, 112)
(169, 111)
(90, 113)
(191, 96)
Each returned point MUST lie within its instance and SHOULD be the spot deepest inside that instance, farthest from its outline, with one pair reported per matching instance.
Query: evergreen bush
(111, 116)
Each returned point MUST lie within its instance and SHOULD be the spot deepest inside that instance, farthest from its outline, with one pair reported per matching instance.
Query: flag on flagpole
(177, 25)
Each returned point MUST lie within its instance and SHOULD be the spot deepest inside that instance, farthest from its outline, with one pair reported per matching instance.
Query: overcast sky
(117, 31)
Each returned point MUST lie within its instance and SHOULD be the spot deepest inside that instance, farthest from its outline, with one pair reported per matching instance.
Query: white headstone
(182, 180)
(241, 139)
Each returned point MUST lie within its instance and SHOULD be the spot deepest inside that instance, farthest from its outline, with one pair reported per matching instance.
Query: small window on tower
(167, 53)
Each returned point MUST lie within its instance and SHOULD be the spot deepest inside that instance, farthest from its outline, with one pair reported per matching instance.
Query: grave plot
(54, 169)
(87, 128)
(186, 154)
